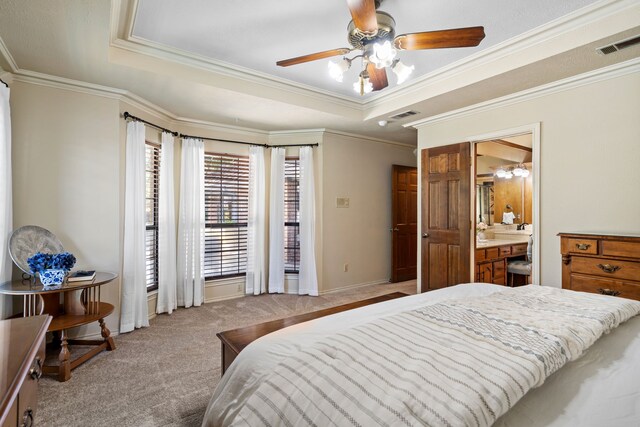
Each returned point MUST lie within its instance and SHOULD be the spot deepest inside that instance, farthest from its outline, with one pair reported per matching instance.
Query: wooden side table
(81, 305)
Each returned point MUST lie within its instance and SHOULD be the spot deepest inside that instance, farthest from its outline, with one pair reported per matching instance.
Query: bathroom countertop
(492, 243)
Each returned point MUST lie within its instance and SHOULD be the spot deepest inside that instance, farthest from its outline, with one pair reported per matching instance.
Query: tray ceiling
(254, 34)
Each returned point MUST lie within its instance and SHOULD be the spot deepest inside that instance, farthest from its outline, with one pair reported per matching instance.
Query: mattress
(601, 388)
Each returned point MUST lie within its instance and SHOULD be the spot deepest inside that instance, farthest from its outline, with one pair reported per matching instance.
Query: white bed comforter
(459, 362)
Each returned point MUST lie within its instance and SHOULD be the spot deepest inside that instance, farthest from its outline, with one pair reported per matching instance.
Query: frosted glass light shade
(337, 69)
(383, 54)
(367, 86)
(402, 72)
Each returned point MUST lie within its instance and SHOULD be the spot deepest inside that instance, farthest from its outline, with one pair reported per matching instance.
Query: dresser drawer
(492, 253)
(600, 285)
(623, 249)
(11, 417)
(505, 250)
(610, 268)
(480, 255)
(580, 246)
(519, 249)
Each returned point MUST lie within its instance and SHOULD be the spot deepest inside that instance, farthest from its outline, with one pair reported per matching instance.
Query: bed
(600, 388)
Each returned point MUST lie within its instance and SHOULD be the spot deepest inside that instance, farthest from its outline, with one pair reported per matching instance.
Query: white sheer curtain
(307, 276)
(167, 277)
(134, 311)
(276, 221)
(6, 205)
(191, 225)
(256, 280)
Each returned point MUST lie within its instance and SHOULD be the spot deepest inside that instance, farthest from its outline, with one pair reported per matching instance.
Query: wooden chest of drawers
(600, 263)
(22, 347)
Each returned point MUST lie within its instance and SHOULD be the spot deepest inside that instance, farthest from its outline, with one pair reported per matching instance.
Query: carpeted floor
(164, 375)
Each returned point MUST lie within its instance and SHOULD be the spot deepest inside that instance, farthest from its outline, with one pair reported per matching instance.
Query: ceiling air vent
(403, 115)
(606, 50)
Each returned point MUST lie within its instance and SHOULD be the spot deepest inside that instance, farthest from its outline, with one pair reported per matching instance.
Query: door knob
(425, 235)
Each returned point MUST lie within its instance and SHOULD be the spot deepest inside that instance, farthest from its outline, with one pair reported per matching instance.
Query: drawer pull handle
(609, 292)
(27, 418)
(583, 246)
(608, 268)
(36, 371)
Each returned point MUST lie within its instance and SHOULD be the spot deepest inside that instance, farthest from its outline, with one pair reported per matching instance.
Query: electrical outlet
(345, 267)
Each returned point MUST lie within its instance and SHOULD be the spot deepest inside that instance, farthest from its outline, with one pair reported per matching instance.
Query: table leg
(64, 370)
(106, 334)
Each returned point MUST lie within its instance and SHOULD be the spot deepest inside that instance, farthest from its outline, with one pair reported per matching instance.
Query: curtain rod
(181, 135)
(138, 119)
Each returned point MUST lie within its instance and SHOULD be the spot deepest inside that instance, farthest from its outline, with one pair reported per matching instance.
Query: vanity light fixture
(509, 172)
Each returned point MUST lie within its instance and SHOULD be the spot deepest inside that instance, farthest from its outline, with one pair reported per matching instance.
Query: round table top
(27, 287)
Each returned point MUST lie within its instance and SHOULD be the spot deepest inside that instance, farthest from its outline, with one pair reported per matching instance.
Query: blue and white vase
(52, 276)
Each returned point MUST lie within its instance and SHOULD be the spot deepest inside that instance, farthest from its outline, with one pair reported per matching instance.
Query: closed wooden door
(405, 223)
(446, 216)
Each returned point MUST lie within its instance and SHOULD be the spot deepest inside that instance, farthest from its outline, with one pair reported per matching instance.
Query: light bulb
(508, 175)
(525, 173)
(383, 54)
(518, 171)
(500, 173)
(402, 71)
(363, 85)
(337, 69)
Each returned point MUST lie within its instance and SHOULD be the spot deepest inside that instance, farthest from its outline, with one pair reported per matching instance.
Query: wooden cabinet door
(446, 216)
(405, 223)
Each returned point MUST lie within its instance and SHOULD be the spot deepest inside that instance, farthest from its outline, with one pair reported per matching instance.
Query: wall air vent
(403, 115)
(622, 44)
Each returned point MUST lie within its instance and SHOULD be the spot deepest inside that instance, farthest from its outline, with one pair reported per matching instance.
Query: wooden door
(405, 223)
(446, 216)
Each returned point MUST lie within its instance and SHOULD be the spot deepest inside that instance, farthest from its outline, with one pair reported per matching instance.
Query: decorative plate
(29, 240)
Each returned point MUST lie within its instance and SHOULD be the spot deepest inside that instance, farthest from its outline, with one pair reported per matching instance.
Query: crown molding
(142, 46)
(595, 76)
(62, 83)
(369, 138)
(327, 131)
(522, 42)
(47, 80)
(4, 51)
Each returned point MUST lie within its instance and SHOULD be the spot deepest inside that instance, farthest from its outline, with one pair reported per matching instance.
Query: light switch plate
(342, 202)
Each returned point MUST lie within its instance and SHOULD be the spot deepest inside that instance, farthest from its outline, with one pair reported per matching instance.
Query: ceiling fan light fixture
(402, 71)
(363, 85)
(383, 54)
(337, 69)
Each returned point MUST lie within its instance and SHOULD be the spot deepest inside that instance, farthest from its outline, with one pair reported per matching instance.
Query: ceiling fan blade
(377, 77)
(460, 37)
(363, 13)
(313, 57)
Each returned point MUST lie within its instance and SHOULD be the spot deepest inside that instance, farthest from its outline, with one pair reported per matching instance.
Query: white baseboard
(354, 286)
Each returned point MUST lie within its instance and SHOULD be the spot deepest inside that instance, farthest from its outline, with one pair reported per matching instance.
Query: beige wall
(69, 166)
(590, 151)
(66, 175)
(359, 235)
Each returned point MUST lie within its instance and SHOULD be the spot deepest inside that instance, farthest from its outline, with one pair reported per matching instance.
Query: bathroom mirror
(504, 184)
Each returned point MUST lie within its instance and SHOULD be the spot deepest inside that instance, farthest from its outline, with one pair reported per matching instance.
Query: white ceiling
(254, 34)
(182, 69)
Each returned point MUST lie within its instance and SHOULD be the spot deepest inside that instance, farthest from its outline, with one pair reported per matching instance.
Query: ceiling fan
(373, 33)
